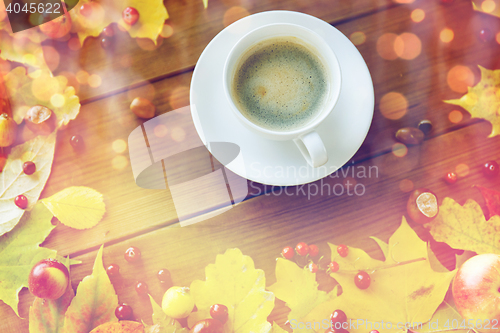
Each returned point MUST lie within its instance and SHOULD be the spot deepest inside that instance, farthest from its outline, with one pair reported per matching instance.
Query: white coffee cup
(306, 138)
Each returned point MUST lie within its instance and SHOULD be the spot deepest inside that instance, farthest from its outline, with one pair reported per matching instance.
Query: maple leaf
(13, 181)
(465, 227)
(483, 100)
(123, 326)
(298, 288)
(95, 301)
(77, 207)
(162, 323)
(46, 315)
(234, 282)
(404, 288)
(492, 199)
(41, 88)
(152, 16)
(445, 319)
(20, 250)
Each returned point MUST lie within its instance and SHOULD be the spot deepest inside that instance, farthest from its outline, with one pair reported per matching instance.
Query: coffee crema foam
(280, 84)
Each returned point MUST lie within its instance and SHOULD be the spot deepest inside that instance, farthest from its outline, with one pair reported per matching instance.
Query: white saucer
(280, 162)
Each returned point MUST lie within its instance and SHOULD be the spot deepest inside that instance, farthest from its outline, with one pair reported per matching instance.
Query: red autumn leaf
(492, 199)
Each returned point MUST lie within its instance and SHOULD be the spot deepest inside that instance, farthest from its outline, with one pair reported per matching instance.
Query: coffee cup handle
(312, 148)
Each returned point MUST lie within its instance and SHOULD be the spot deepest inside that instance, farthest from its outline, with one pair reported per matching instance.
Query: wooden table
(266, 222)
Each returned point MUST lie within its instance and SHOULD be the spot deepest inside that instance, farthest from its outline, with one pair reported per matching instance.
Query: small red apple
(48, 279)
(422, 206)
(58, 27)
(476, 290)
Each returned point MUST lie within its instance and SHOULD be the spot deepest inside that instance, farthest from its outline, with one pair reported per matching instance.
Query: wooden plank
(126, 63)
(261, 226)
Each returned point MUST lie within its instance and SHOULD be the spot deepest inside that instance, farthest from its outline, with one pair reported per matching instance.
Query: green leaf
(465, 227)
(13, 181)
(298, 288)
(95, 301)
(234, 282)
(77, 207)
(47, 316)
(20, 250)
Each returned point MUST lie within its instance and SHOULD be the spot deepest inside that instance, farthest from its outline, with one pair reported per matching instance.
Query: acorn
(8, 130)
(40, 120)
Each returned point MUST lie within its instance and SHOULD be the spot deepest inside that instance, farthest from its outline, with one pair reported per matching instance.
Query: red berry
(113, 270)
(76, 142)
(343, 250)
(302, 249)
(313, 250)
(141, 288)
(164, 276)
(362, 280)
(219, 312)
(86, 9)
(288, 252)
(108, 31)
(124, 312)
(491, 169)
(338, 318)
(374, 331)
(451, 178)
(313, 268)
(333, 266)
(29, 168)
(21, 201)
(106, 42)
(485, 35)
(130, 15)
(132, 254)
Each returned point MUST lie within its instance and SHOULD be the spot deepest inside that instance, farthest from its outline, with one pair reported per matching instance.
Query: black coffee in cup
(280, 84)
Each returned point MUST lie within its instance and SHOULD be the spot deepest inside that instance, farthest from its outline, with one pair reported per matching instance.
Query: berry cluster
(303, 250)
(490, 169)
(133, 255)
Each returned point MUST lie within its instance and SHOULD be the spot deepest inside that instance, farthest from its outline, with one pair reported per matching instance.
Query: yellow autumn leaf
(234, 282)
(404, 288)
(483, 100)
(465, 227)
(446, 319)
(77, 207)
(152, 16)
(298, 288)
(277, 329)
(41, 88)
(491, 7)
(24, 49)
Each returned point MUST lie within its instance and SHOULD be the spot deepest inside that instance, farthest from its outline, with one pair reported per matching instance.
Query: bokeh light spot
(179, 97)
(160, 131)
(44, 87)
(94, 81)
(147, 44)
(119, 146)
(462, 170)
(455, 116)
(357, 38)
(399, 150)
(488, 6)
(407, 46)
(406, 185)
(404, 1)
(178, 134)
(119, 162)
(459, 78)
(385, 46)
(58, 100)
(497, 37)
(446, 35)
(393, 105)
(72, 81)
(234, 14)
(82, 77)
(417, 15)
(167, 31)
